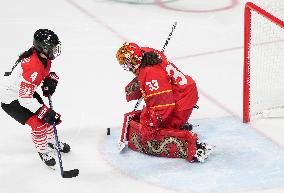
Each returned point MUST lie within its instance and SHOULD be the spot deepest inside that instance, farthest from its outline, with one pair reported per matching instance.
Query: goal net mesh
(265, 60)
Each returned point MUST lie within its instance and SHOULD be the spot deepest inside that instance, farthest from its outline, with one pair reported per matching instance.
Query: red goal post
(263, 43)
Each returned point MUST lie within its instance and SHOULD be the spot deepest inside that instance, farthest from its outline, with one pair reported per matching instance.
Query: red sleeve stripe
(26, 90)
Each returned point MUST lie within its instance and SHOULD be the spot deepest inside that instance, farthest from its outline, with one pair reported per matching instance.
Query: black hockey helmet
(47, 42)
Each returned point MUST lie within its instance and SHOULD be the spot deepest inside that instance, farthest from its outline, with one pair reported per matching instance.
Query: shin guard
(162, 142)
(39, 133)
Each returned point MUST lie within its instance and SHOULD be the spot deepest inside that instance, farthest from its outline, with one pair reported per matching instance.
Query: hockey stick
(121, 143)
(64, 174)
(169, 36)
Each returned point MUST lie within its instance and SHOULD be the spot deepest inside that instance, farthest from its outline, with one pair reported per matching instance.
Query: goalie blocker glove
(49, 84)
(49, 116)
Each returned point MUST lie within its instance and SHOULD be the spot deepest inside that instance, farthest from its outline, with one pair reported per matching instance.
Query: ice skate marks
(242, 160)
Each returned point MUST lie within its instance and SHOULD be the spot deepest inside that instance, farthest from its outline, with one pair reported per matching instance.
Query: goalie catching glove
(49, 116)
(49, 84)
(132, 90)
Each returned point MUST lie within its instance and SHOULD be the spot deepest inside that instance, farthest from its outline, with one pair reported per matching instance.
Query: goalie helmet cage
(263, 80)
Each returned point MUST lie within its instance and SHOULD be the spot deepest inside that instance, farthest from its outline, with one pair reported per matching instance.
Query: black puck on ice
(108, 131)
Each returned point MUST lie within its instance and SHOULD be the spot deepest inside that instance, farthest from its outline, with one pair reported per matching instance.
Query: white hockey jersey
(23, 80)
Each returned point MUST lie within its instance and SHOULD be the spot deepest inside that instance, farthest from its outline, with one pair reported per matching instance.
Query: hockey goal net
(263, 84)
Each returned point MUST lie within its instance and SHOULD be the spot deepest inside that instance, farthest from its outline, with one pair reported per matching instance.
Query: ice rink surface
(207, 44)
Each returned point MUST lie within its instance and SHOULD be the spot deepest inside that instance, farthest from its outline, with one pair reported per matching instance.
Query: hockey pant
(18, 112)
(42, 133)
(162, 142)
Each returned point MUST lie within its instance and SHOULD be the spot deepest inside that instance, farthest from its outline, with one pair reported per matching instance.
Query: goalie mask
(129, 56)
(47, 42)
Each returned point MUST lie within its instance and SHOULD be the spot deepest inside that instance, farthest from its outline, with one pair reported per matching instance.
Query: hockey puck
(108, 131)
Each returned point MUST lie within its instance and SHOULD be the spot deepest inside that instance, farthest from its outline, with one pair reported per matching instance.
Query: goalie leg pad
(162, 142)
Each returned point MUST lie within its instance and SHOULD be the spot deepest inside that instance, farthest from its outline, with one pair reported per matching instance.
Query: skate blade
(209, 150)
(52, 167)
(54, 153)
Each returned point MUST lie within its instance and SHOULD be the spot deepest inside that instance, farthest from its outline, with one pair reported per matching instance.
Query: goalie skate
(187, 126)
(203, 150)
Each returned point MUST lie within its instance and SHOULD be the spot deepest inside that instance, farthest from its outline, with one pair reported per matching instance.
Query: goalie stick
(128, 117)
(68, 173)
(169, 36)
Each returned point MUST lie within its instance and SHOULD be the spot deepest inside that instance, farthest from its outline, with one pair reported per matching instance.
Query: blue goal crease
(243, 160)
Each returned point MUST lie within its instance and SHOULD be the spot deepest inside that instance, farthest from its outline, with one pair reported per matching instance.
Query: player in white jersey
(20, 100)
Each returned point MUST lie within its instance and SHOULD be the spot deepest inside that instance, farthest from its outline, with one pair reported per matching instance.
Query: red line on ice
(163, 5)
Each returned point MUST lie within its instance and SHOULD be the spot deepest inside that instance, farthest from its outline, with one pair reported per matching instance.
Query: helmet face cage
(129, 56)
(47, 42)
(127, 65)
(55, 51)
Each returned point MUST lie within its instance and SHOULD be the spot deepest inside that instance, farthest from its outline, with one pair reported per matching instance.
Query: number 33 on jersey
(165, 85)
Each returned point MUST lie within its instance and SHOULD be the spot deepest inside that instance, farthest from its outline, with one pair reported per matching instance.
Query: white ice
(207, 44)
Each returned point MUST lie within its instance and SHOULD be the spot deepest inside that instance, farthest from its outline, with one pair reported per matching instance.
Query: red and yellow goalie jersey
(165, 90)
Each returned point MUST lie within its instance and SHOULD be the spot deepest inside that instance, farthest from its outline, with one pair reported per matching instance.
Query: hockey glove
(132, 90)
(49, 116)
(49, 84)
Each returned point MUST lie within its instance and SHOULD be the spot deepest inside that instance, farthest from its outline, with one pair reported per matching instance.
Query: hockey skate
(203, 150)
(47, 158)
(63, 147)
